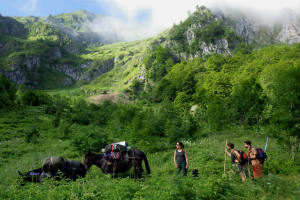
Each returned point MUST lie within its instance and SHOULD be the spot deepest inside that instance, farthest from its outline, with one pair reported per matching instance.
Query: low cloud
(163, 14)
(116, 29)
(28, 6)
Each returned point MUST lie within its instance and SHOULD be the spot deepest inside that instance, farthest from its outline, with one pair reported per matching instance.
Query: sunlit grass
(206, 154)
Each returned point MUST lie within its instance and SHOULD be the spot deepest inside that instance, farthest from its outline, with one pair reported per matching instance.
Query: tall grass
(207, 155)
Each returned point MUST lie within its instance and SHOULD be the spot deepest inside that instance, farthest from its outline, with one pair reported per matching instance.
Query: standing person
(236, 159)
(180, 159)
(255, 162)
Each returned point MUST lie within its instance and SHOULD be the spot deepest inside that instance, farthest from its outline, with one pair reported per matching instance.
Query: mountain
(205, 33)
(77, 26)
(44, 52)
(63, 50)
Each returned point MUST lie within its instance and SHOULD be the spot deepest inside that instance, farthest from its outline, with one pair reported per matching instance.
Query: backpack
(244, 158)
(115, 148)
(261, 155)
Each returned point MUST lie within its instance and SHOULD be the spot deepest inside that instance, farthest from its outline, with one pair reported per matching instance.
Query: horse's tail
(146, 163)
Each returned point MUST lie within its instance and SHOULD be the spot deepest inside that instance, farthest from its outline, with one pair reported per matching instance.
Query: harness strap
(112, 151)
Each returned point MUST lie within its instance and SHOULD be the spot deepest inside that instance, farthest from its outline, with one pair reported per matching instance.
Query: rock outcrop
(290, 33)
(20, 70)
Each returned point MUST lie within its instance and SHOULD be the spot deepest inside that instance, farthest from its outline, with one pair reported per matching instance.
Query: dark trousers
(181, 166)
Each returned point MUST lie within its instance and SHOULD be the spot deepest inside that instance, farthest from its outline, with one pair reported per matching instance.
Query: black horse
(74, 169)
(132, 158)
(58, 169)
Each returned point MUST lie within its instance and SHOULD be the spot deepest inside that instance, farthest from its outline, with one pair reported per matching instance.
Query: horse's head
(89, 159)
(31, 176)
(21, 174)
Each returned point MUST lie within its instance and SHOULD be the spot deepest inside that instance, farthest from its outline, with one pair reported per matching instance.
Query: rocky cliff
(206, 32)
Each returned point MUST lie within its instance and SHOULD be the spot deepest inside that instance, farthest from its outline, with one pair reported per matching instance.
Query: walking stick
(267, 142)
(266, 147)
(225, 158)
(249, 172)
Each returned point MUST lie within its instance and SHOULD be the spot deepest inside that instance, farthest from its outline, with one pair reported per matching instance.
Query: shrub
(7, 92)
(31, 135)
(89, 137)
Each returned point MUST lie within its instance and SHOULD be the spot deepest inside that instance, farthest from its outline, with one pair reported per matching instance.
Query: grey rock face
(16, 76)
(221, 47)
(256, 31)
(83, 72)
(98, 70)
(190, 35)
(68, 70)
(290, 33)
(32, 62)
(18, 71)
(246, 29)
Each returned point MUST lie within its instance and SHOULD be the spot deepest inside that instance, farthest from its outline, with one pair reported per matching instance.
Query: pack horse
(118, 159)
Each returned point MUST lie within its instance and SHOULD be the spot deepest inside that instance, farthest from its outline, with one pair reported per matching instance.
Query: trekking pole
(248, 168)
(267, 142)
(266, 147)
(225, 158)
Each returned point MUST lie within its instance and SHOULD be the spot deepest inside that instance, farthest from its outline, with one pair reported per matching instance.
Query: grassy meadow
(281, 180)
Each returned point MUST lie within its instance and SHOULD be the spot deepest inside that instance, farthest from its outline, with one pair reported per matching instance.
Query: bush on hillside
(7, 92)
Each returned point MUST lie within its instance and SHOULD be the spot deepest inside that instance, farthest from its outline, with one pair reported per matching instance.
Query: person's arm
(238, 156)
(175, 159)
(226, 151)
(186, 160)
(254, 153)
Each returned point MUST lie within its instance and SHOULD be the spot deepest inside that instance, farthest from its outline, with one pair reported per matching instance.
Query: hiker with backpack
(180, 159)
(238, 158)
(256, 157)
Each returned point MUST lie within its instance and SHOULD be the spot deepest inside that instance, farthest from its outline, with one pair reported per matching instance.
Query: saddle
(115, 151)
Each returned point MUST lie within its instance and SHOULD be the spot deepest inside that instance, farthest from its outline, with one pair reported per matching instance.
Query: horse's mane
(96, 155)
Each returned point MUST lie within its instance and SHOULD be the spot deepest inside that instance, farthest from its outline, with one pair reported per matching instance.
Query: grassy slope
(129, 57)
(128, 66)
(206, 154)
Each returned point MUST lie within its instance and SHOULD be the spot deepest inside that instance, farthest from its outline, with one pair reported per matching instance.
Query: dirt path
(114, 97)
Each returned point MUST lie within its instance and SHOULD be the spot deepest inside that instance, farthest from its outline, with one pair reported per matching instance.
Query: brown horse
(132, 158)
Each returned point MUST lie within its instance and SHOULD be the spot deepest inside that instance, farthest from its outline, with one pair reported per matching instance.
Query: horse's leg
(137, 168)
(140, 168)
(114, 169)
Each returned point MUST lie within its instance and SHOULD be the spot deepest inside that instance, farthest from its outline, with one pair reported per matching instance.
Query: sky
(145, 17)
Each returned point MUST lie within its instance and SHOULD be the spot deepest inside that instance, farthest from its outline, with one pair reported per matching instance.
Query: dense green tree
(7, 92)
(247, 100)
(89, 138)
(281, 85)
(158, 63)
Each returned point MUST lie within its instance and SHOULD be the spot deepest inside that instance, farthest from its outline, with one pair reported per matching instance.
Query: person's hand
(176, 166)
(187, 166)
